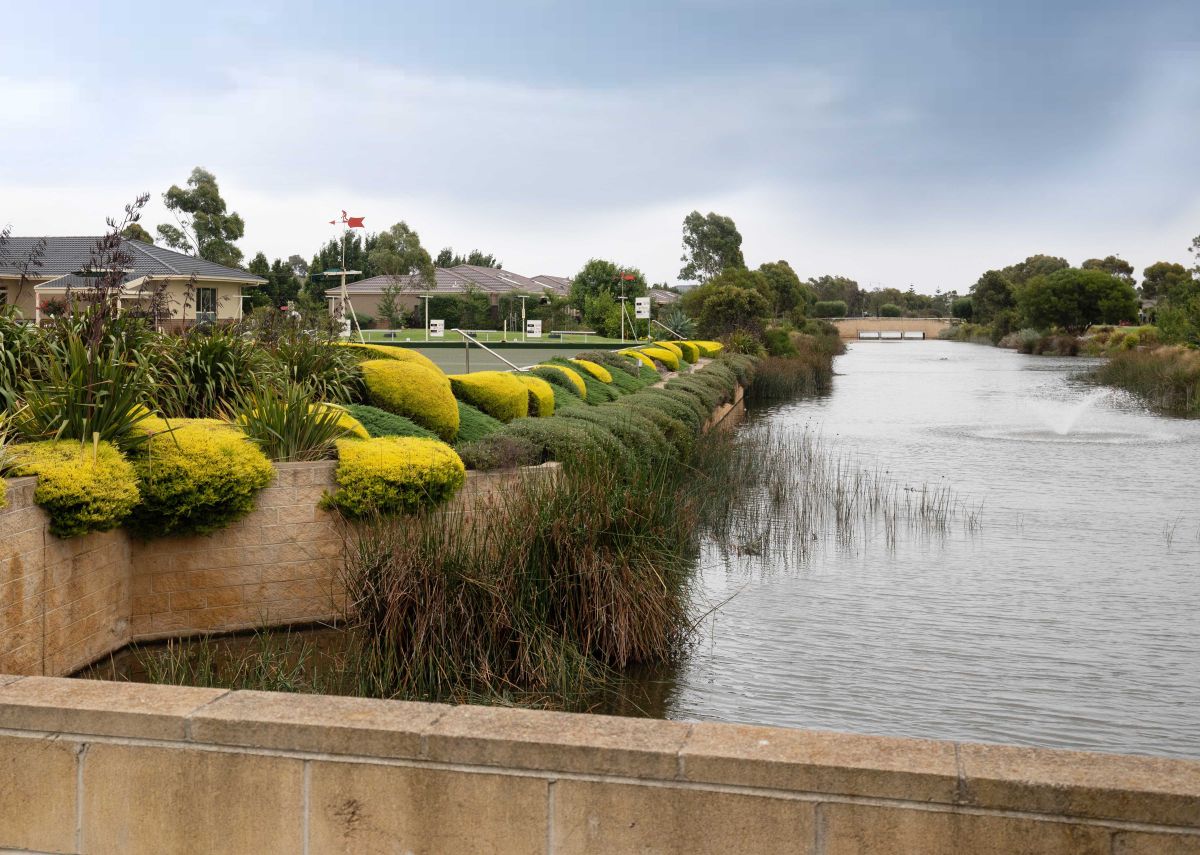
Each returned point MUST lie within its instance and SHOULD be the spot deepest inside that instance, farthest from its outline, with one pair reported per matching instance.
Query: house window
(206, 305)
(3, 296)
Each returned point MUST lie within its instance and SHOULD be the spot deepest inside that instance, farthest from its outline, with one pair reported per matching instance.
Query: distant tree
(830, 309)
(204, 226)
(890, 310)
(1074, 299)
(710, 244)
(991, 295)
(398, 252)
(839, 288)
(1112, 265)
(962, 307)
(599, 276)
(299, 265)
(1034, 265)
(728, 308)
(787, 289)
(733, 277)
(1160, 277)
(389, 309)
(448, 258)
(134, 231)
(281, 287)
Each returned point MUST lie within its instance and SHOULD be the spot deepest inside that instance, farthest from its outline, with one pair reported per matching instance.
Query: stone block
(365, 809)
(594, 817)
(558, 742)
(100, 708)
(821, 762)
(1150, 843)
(147, 604)
(37, 794)
(139, 799)
(318, 723)
(1155, 790)
(224, 596)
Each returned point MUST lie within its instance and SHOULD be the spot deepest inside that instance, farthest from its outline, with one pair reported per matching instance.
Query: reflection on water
(1069, 619)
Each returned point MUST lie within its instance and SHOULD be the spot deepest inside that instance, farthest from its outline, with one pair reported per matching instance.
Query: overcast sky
(894, 142)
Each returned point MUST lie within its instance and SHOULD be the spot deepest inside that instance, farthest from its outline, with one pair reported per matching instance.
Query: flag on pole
(349, 222)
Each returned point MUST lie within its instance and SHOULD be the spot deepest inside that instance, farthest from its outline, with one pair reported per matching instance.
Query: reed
(1167, 379)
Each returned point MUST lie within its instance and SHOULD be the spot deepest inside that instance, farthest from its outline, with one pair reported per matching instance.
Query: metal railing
(668, 329)
(469, 339)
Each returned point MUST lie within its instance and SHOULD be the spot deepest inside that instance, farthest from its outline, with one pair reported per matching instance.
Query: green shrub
(474, 424)
(830, 309)
(778, 342)
(708, 392)
(196, 476)
(394, 474)
(569, 440)
(498, 393)
(741, 365)
(597, 390)
(83, 488)
(639, 435)
(612, 360)
(691, 353)
(203, 374)
(541, 394)
(382, 423)
(740, 341)
(562, 375)
(500, 451)
(677, 431)
(699, 412)
(412, 390)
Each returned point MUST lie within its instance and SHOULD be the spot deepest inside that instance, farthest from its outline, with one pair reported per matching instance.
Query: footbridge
(890, 329)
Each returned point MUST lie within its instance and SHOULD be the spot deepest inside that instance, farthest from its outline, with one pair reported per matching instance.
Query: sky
(898, 143)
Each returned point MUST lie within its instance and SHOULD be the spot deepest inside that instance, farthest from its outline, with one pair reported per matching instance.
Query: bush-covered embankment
(1167, 379)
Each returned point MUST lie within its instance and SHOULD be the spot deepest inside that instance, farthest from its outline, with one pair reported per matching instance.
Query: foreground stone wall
(88, 766)
(67, 603)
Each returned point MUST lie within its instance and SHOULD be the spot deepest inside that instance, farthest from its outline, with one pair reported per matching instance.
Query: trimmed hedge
(598, 371)
(394, 474)
(660, 354)
(691, 353)
(401, 354)
(677, 431)
(498, 393)
(412, 390)
(639, 435)
(475, 424)
(82, 488)
(597, 390)
(560, 375)
(541, 394)
(196, 476)
(346, 421)
(614, 362)
(382, 423)
(709, 348)
(640, 357)
(569, 440)
(500, 451)
(672, 346)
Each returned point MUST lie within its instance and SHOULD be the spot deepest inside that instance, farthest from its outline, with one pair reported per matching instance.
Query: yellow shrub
(640, 357)
(671, 346)
(345, 421)
(541, 394)
(709, 348)
(409, 389)
(82, 489)
(499, 394)
(199, 477)
(595, 369)
(690, 352)
(394, 474)
(400, 354)
(572, 377)
(666, 357)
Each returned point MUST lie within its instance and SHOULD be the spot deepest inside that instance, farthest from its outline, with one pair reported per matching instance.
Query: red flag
(628, 277)
(355, 222)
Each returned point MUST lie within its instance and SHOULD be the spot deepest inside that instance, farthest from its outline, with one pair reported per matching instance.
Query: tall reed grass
(1167, 379)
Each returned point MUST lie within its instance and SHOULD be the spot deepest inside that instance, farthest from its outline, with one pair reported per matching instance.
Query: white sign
(437, 329)
(641, 307)
(346, 327)
(533, 329)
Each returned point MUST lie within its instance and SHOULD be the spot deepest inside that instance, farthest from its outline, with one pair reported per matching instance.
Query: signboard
(346, 327)
(437, 329)
(641, 307)
(533, 329)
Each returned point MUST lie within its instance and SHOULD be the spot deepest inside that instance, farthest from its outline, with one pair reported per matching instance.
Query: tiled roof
(559, 284)
(65, 255)
(662, 296)
(453, 280)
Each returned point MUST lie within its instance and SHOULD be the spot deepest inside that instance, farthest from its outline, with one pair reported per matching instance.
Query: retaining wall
(66, 603)
(89, 766)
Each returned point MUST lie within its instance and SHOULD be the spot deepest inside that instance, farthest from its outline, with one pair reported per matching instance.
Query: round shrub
(346, 421)
(660, 354)
(698, 413)
(639, 436)
(83, 488)
(570, 440)
(741, 365)
(597, 391)
(710, 393)
(640, 357)
(671, 346)
(614, 362)
(401, 354)
(394, 474)
(691, 353)
(196, 477)
(677, 431)
(475, 424)
(412, 390)
(598, 371)
(498, 393)
(382, 423)
(500, 451)
(560, 375)
(709, 348)
(541, 394)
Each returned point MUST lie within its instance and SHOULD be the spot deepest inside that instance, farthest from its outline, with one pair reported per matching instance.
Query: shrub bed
(615, 362)
(474, 424)
(400, 354)
(596, 370)
(382, 423)
(394, 474)
(83, 488)
(500, 451)
(498, 393)
(661, 354)
(672, 346)
(569, 440)
(561, 375)
(709, 348)
(640, 436)
(412, 390)
(541, 394)
(691, 353)
(597, 390)
(640, 357)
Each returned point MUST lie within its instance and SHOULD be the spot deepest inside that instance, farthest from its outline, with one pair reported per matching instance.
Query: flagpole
(346, 291)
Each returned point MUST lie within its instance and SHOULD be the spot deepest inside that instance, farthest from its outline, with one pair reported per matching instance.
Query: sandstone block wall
(95, 767)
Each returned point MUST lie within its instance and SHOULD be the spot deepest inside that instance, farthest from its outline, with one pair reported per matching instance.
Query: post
(522, 296)
(622, 299)
(467, 345)
(425, 297)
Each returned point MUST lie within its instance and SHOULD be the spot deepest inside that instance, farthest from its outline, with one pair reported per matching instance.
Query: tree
(752, 280)
(789, 292)
(398, 252)
(448, 258)
(281, 286)
(600, 276)
(1035, 265)
(990, 296)
(299, 265)
(962, 308)
(134, 231)
(728, 308)
(831, 309)
(389, 309)
(1112, 265)
(833, 288)
(1074, 299)
(1161, 277)
(205, 229)
(890, 310)
(710, 245)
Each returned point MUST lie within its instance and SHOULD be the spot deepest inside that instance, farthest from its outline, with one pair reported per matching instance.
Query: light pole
(425, 297)
(523, 298)
(622, 298)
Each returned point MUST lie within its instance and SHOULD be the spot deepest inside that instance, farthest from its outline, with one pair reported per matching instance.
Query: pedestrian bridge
(890, 329)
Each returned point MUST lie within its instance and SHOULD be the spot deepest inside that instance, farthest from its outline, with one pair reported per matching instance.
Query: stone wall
(849, 328)
(89, 766)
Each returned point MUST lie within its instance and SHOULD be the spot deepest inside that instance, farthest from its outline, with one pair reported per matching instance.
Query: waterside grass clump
(1167, 379)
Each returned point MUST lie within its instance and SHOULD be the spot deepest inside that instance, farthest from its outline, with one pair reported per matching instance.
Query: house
(192, 289)
(663, 297)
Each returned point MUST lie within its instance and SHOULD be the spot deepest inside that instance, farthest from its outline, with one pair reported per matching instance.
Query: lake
(1068, 619)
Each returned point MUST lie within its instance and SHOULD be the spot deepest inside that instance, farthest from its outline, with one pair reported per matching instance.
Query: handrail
(470, 339)
(668, 329)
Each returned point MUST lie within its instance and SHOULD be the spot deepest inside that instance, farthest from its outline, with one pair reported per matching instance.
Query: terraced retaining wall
(96, 767)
